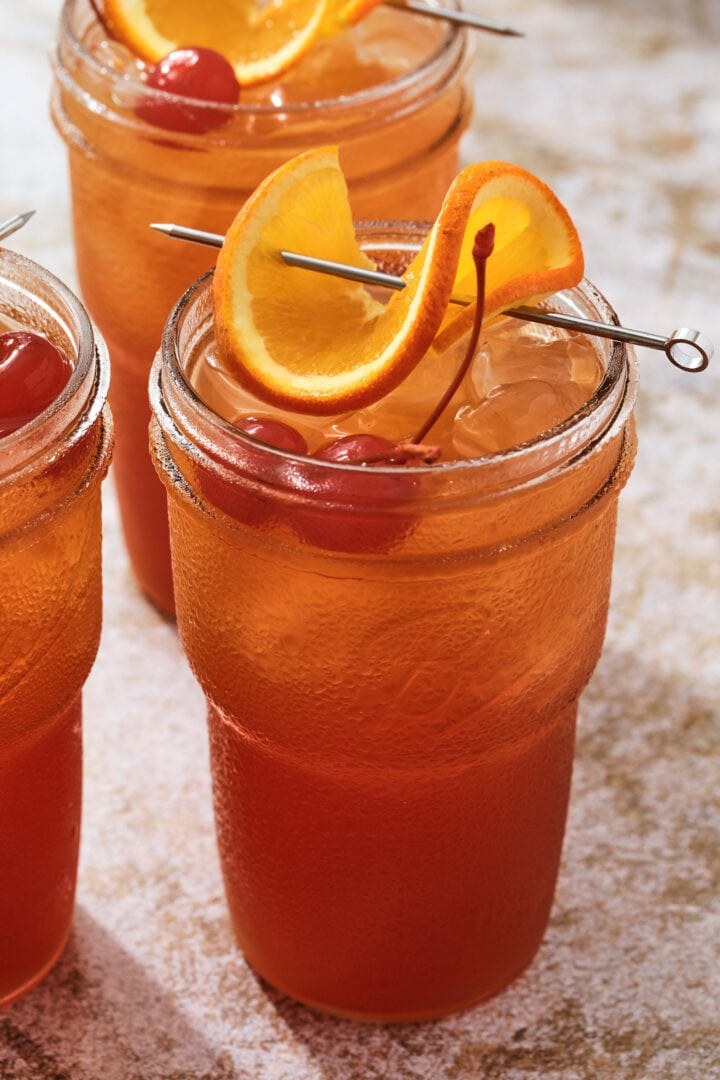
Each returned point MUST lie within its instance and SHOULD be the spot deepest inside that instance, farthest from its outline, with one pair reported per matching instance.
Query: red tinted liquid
(40, 798)
(390, 894)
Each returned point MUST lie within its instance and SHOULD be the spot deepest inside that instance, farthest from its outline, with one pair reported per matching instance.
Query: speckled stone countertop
(616, 105)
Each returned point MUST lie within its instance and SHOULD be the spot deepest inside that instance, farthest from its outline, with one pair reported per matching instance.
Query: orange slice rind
(260, 41)
(319, 344)
(537, 249)
(341, 14)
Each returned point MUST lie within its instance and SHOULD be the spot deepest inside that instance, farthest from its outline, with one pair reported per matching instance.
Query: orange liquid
(392, 733)
(125, 174)
(40, 795)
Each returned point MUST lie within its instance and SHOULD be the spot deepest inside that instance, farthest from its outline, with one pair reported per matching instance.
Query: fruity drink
(393, 92)
(392, 657)
(54, 452)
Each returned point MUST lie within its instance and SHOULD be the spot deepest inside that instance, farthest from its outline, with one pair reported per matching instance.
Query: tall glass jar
(392, 661)
(50, 613)
(399, 150)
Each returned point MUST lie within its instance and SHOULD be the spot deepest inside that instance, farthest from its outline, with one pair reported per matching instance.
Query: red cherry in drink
(242, 500)
(33, 372)
(273, 432)
(197, 73)
(357, 449)
(357, 510)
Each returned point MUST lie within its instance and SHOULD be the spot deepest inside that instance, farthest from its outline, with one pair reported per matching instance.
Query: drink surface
(384, 46)
(525, 379)
(399, 146)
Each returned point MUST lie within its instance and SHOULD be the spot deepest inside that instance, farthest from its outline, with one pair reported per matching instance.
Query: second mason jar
(399, 141)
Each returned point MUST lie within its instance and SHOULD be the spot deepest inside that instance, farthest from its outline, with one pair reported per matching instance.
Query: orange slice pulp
(319, 344)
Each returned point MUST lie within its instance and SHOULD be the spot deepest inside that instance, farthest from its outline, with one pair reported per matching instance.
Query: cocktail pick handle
(688, 349)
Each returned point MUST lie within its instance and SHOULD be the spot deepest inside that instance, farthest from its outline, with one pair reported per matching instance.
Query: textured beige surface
(615, 103)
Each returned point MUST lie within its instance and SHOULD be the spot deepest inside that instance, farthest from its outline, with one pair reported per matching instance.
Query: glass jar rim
(455, 40)
(84, 395)
(179, 409)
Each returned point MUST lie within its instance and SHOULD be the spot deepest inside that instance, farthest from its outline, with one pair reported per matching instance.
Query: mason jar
(50, 613)
(398, 145)
(392, 659)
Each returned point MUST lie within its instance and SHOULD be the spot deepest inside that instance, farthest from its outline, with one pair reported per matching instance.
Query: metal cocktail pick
(418, 7)
(688, 349)
(462, 18)
(7, 228)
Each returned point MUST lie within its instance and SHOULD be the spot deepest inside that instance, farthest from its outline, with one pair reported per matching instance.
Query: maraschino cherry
(242, 501)
(191, 72)
(356, 523)
(363, 518)
(363, 448)
(273, 432)
(33, 372)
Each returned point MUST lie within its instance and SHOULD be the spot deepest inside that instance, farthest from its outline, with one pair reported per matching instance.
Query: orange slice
(260, 40)
(314, 343)
(537, 249)
(340, 14)
(319, 344)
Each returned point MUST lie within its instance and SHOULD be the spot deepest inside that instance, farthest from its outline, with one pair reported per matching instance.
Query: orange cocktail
(392, 657)
(393, 92)
(52, 460)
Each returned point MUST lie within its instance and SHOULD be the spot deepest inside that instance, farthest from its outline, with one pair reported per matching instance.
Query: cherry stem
(414, 449)
(100, 17)
(403, 453)
(482, 249)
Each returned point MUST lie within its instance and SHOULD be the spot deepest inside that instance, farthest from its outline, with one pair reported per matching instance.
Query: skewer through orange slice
(317, 344)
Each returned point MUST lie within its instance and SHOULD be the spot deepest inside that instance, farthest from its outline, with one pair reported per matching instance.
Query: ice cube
(585, 363)
(512, 353)
(514, 413)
